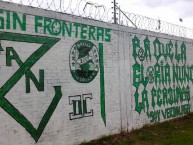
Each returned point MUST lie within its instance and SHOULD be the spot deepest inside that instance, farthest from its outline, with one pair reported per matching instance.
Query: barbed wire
(99, 12)
(156, 25)
(81, 8)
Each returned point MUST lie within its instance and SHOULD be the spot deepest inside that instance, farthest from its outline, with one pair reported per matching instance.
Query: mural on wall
(10, 20)
(79, 104)
(161, 78)
(85, 62)
(24, 70)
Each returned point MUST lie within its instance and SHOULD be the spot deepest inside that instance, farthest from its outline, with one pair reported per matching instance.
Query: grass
(174, 132)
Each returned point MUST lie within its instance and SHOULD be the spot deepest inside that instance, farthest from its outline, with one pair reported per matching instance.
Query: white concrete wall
(43, 116)
(167, 98)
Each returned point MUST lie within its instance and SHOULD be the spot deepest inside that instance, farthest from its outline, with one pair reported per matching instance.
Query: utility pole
(115, 17)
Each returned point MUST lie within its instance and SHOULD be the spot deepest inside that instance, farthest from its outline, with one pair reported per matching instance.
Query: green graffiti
(57, 27)
(177, 56)
(84, 61)
(150, 74)
(11, 54)
(77, 27)
(91, 33)
(1, 20)
(153, 94)
(1, 49)
(154, 116)
(168, 50)
(8, 26)
(79, 103)
(138, 51)
(18, 22)
(157, 74)
(159, 99)
(138, 105)
(183, 52)
(182, 55)
(138, 75)
(182, 74)
(47, 44)
(35, 133)
(157, 48)
(28, 75)
(147, 48)
(54, 27)
(102, 83)
(79, 107)
(168, 113)
(144, 105)
(100, 34)
(67, 29)
(170, 96)
(144, 80)
(166, 74)
(84, 32)
(169, 75)
(136, 44)
(141, 54)
(39, 85)
(175, 111)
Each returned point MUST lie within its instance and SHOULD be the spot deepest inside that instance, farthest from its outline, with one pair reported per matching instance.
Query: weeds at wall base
(178, 131)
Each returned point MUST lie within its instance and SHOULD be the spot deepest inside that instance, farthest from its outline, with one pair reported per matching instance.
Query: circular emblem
(141, 54)
(84, 61)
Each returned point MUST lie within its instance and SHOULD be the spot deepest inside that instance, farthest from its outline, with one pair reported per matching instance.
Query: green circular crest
(84, 61)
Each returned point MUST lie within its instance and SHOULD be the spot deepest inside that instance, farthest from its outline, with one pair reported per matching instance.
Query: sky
(166, 10)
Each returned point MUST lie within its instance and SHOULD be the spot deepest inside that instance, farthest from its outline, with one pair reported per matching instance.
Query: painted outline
(102, 83)
(47, 44)
(80, 98)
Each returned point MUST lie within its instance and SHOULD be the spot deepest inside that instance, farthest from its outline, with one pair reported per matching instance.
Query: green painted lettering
(11, 54)
(147, 48)
(136, 44)
(76, 29)
(91, 33)
(136, 75)
(1, 20)
(83, 31)
(56, 27)
(67, 29)
(38, 23)
(8, 20)
(107, 35)
(100, 34)
(39, 85)
(47, 26)
(17, 20)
